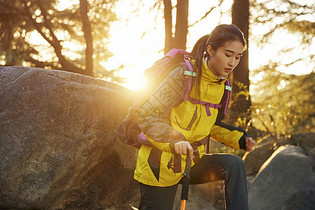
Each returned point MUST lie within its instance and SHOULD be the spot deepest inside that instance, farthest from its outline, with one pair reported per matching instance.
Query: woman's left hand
(250, 143)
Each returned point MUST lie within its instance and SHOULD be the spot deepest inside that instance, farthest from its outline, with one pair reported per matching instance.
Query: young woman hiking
(174, 126)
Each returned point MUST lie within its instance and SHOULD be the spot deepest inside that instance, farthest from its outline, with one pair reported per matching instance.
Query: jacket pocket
(193, 119)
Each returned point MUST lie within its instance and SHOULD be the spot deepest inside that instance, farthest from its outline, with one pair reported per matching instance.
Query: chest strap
(191, 75)
(206, 104)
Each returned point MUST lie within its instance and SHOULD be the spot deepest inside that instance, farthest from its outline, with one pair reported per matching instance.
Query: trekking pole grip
(186, 179)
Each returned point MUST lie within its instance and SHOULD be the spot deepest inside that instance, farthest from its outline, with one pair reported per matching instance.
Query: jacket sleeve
(154, 115)
(228, 134)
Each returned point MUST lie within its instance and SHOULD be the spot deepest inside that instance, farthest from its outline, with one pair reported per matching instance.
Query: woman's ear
(210, 51)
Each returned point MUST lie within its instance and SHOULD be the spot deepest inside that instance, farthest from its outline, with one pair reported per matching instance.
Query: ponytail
(198, 52)
(217, 38)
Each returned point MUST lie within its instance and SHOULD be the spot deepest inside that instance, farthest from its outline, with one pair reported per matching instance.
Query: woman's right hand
(181, 147)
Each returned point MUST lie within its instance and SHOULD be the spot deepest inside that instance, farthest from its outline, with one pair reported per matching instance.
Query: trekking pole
(185, 183)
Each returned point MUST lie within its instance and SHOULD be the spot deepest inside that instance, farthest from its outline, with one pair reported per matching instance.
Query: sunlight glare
(271, 51)
(131, 48)
(62, 5)
(282, 85)
(137, 41)
(134, 81)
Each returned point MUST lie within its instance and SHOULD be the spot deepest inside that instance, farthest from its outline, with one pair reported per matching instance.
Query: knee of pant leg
(239, 161)
(236, 162)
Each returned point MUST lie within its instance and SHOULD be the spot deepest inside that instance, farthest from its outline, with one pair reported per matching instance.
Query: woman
(175, 126)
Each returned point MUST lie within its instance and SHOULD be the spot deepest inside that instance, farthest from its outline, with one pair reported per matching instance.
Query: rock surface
(56, 141)
(285, 181)
(255, 159)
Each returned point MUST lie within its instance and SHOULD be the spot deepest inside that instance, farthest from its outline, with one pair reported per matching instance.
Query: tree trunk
(181, 28)
(88, 37)
(240, 95)
(7, 45)
(168, 25)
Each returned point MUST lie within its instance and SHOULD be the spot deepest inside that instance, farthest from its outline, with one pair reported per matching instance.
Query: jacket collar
(207, 74)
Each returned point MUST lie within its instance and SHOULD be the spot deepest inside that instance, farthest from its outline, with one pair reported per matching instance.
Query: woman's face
(224, 59)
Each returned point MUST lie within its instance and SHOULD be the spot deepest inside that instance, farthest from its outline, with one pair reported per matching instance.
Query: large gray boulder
(56, 141)
(285, 181)
(255, 159)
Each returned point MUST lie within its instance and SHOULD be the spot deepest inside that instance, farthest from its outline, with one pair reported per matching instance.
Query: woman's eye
(227, 55)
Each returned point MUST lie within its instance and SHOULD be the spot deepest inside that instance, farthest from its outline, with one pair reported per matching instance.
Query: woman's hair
(217, 38)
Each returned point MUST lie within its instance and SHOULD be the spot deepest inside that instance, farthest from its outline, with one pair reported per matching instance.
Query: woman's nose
(232, 62)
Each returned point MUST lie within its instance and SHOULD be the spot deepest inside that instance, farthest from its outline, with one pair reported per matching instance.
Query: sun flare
(137, 41)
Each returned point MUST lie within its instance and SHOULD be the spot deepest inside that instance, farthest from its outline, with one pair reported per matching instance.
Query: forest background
(116, 40)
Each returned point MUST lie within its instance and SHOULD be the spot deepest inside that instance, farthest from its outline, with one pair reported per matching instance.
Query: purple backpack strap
(207, 105)
(190, 77)
(143, 140)
(204, 103)
(173, 52)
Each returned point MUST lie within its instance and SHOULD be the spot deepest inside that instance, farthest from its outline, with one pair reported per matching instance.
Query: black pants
(227, 167)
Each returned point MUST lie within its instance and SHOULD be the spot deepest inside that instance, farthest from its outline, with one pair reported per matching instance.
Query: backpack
(129, 131)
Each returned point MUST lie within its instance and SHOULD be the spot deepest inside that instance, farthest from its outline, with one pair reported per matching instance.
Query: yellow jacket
(166, 119)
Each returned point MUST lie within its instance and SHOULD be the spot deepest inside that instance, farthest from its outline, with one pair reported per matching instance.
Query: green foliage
(12, 33)
(237, 115)
(305, 28)
(60, 29)
(284, 104)
(243, 90)
(294, 17)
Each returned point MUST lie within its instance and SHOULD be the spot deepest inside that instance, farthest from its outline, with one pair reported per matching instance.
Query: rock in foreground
(56, 141)
(285, 181)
